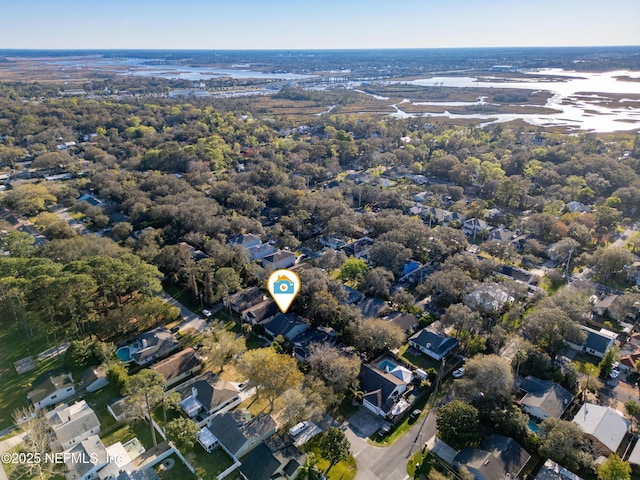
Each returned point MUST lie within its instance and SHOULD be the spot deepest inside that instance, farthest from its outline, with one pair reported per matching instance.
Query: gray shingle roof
(435, 342)
(48, 383)
(549, 397)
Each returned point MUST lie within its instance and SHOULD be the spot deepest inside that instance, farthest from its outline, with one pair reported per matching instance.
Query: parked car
(614, 373)
(458, 373)
(384, 431)
(207, 313)
(175, 329)
(415, 414)
(298, 429)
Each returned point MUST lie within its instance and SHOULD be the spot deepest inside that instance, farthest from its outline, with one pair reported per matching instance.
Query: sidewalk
(7, 445)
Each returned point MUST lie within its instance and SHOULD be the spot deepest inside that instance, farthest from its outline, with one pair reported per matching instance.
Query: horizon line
(98, 49)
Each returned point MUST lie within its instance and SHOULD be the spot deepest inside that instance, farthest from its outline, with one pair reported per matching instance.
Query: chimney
(194, 392)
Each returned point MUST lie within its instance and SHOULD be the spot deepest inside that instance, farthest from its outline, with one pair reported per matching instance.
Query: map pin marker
(283, 285)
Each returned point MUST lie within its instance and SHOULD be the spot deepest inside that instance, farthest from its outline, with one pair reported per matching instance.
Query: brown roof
(177, 364)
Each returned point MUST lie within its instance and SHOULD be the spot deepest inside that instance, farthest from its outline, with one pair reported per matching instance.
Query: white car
(206, 313)
(614, 373)
(458, 373)
(298, 429)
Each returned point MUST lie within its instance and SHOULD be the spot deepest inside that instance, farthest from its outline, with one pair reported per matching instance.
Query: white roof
(191, 405)
(402, 373)
(635, 455)
(206, 438)
(603, 423)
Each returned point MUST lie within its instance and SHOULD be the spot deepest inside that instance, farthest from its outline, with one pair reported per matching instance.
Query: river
(580, 99)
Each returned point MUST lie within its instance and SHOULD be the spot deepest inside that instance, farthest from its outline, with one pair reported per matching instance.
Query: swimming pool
(387, 365)
(124, 354)
(533, 426)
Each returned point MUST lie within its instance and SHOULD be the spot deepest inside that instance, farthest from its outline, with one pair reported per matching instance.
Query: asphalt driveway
(385, 463)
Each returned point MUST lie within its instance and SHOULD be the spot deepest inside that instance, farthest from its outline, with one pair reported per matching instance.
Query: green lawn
(344, 470)
(587, 364)
(98, 401)
(183, 296)
(15, 345)
(417, 359)
(420, 464)
(179, 470)
(208, 465)
(127, 432)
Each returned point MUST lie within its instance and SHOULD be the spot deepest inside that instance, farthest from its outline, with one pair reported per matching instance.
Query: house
(407, 322)
(421, 197)
(382, 390)
(432, 343)
(93, 378)
(628, 362)
(602, 307)
(148, 347)
(285, 324)
(634, 456)
(245, 240)
(333, 242)
(259, 312)
(438, 216)
(195, 253)
(417, 210)
(633, 274)
(272, 459)
(475, 226)
(239, 437)
(352, 295)
(72, 424)
(244, 299)
(279, 260)
(358, 248)
(372, 307)
(579, 207)
(544, 399)
(519, 275)
(596, 342)
(89, 456)
(206, 395)
(489, 297)
(50, 388)
(552, 471)
(604, 426)
(410, 266)
(303, 342)
(178, 366)
(498, 457)
(260, 251)
(501, 235)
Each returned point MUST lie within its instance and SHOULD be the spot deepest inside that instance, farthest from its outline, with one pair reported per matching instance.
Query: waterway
(580, 100)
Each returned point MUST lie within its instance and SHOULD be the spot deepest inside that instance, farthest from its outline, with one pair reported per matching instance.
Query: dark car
(415, 414)
(384, 431)
(175, 329)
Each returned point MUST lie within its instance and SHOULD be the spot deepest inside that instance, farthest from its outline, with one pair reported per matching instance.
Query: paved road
(390, 463)
(189, 318)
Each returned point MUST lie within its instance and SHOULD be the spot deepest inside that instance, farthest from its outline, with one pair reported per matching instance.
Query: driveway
(189, 318)
(385, 463)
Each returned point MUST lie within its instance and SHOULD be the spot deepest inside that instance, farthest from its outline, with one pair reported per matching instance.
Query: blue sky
(289, 24)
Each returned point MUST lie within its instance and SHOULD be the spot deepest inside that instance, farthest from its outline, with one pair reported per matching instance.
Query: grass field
(179, 470)
(15, 345)
(208, 465)
(344, 470)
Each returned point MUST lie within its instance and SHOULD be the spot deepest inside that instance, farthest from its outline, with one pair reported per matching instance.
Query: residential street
(190, 319)
(389, 463)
